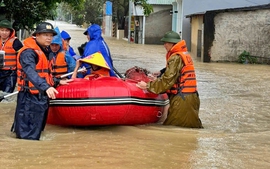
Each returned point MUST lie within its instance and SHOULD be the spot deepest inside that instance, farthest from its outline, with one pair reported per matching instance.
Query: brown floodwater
(234, 111)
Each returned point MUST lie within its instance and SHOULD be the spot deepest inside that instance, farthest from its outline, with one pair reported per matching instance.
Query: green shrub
(245, 58)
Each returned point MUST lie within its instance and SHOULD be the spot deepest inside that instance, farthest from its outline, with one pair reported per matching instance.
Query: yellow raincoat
(182, 112)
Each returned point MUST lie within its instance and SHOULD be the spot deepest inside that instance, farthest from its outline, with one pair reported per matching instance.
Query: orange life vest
(59, 65)
(43, 67)
(186, 83)
(103, 72)
(64, 44)
(9, 59)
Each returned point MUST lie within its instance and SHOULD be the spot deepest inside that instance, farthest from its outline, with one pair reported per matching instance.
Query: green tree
(93, 11)
(26, 13)
(90, 12)
(148, 9)
(121, 10)
(66, 10)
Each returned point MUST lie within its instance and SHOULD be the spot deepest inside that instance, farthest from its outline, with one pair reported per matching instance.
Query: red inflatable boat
(105, 101)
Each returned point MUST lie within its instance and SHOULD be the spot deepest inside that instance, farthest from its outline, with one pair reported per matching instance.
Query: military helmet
(171, 37)
(45, 27)
(6, 24)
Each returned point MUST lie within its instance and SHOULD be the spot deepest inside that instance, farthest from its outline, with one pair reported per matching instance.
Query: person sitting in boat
(95, 44)
(63, 62)
(66, 37)
(99, 67)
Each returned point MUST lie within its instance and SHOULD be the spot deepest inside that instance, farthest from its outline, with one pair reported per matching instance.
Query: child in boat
(99, 67)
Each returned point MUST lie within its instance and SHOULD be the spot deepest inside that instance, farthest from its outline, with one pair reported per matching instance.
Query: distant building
(222, 35)
(171, 15)
(182, 8)
(158, 22)
(150, 29)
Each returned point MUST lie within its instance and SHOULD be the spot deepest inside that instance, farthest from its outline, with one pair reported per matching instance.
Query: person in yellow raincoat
(179, 82)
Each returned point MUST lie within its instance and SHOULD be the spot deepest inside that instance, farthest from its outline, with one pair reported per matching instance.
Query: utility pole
(129, 18)
(71, 18)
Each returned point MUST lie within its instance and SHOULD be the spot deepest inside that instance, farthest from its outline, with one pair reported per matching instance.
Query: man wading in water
(35, 83)
(179, 82)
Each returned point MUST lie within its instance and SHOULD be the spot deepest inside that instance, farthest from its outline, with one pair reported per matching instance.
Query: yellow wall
(196, 24)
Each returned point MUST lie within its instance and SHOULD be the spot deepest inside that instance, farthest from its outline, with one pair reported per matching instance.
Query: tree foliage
(26, 13)
(148, 9)
(93, 11)
(121, 10)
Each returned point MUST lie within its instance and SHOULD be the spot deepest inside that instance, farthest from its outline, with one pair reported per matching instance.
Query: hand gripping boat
(105, 101)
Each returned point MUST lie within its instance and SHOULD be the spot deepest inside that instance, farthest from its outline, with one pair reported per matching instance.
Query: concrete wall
(196, 25)
(157, 24)
(196, 6)
(120, 34)
(239, 31)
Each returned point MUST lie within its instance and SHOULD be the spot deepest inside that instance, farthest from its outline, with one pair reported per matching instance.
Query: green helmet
(171, 37)
(6, 24)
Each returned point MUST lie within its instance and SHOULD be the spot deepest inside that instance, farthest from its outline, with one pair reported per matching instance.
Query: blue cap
(65, 35)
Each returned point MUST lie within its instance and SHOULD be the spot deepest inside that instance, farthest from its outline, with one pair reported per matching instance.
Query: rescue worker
(99, 67)
(70, 50)
(9, 47)
(97, 44)
(179, 82)
(62, 61)
(35, 83)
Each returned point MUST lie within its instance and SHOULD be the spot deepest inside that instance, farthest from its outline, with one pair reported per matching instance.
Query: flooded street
(234, 110)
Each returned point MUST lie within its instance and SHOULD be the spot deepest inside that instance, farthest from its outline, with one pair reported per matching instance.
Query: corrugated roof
(250, 8)
(160, 2)
(195, 14)
(195, 6)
